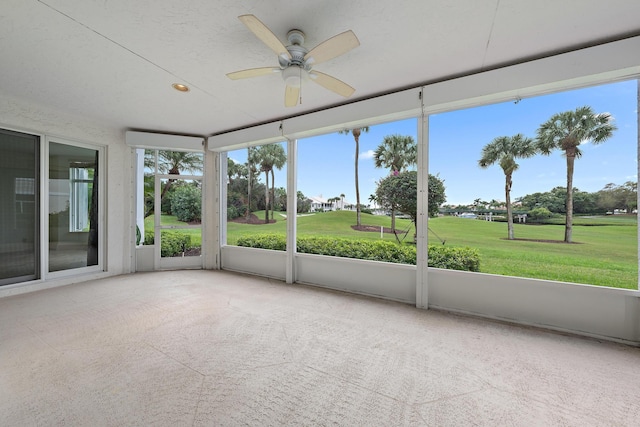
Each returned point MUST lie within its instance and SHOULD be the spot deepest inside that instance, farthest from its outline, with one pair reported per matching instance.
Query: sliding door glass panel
(19, 211)
(73, 207)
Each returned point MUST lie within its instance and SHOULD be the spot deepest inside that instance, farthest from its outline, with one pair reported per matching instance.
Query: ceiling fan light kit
(296, 61)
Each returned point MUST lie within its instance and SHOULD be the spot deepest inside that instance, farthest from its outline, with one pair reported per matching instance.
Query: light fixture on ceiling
(180, 87)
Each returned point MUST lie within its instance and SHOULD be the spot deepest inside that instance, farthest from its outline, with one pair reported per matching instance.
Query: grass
(604, 256)
(605, 252)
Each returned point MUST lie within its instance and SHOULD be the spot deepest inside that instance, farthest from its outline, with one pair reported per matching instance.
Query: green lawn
(605, 252)
(605, 255)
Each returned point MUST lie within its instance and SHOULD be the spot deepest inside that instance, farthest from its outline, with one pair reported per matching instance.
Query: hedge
(173, 243)
(466, 259)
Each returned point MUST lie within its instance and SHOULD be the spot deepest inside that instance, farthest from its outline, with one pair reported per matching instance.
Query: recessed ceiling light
(180, 87)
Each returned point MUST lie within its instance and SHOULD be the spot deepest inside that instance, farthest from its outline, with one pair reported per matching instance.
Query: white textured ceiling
(114, 61)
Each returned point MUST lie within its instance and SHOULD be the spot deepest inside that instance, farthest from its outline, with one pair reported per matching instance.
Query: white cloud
(367, 154)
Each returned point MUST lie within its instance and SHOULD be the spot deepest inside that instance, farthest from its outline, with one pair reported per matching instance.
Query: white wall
(37, 119)
(588, 310)
(261, 262)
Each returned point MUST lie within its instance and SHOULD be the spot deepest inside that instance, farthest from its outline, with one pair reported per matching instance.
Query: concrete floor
(216, 348)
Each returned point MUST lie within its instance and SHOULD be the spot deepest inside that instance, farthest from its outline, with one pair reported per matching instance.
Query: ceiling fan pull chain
(300, 68)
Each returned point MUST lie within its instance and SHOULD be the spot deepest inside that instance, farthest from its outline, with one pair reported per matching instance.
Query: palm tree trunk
(273, 193)
(356, 136)
(568, 227)
(266, 198)
(507, 195)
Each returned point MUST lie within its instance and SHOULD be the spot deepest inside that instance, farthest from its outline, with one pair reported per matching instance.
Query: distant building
(320, 204)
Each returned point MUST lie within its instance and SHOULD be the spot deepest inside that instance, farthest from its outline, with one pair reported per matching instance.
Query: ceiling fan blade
(265, 34)
(291, 95)
(331, 83)
(335, 46)
(252, 72)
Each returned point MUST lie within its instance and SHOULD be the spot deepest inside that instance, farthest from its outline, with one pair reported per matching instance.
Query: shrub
(538, 214)
(172, 242)
(148, 237)
(235, 205)
(465, 259)
(186, 203)
(274, 242)
(232, 212)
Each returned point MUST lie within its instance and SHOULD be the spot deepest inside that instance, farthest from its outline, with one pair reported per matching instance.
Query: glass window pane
(19, 211)
(73, 207)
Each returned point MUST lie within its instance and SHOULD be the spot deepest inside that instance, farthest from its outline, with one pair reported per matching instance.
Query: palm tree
(566, 131)
(172, 163)
(396, 152)
(269, 157)
(342, 196)
(356, 132)
(505, 150)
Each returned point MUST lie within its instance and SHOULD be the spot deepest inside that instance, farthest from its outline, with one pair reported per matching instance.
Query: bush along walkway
(465, 259)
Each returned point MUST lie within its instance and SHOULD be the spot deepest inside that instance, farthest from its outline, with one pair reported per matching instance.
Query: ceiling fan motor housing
(296, 50)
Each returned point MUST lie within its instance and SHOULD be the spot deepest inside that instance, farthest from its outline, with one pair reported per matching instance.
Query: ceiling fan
(296, 62)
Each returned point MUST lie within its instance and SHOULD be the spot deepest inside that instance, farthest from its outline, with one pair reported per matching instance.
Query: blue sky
(456, 138)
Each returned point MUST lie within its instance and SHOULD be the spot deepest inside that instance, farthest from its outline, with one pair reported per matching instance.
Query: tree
(614, 196)
(171, 163)
(356, 132)
(478, 203)
(401, 192)
(342, 196)
(303, 203)
(268, 157)
(566, 131)
(186, 203)
(235, 170)
(280, 199)
(554, 201)
(397, 153)
(505, 150)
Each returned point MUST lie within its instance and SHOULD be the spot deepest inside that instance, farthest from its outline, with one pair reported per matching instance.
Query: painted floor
(203, 348)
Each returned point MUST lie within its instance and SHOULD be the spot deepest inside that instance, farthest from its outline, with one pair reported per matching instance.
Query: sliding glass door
(19, 210)
(73, 207)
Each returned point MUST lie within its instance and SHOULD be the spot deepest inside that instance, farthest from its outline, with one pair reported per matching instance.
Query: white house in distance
(320, 204)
